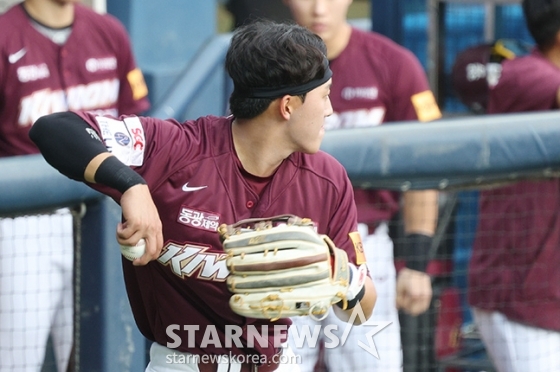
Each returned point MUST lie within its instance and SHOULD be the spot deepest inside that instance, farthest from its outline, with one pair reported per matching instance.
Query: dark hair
(265, 54)
(543, 20)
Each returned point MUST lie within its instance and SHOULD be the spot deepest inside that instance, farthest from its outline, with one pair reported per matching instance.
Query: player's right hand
(141, 220)
(414, 291)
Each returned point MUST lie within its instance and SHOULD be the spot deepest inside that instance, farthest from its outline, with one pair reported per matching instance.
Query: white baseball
(131, 252)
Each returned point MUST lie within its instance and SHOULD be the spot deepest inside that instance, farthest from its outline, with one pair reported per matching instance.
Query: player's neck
(553, 55)
(339, 41)
(54, 14)
(259, 150)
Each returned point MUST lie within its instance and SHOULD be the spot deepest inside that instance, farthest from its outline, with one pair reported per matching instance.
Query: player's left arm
(420, 207)
(133, 91)
(67, 144)
(367, 303)
(342, 230)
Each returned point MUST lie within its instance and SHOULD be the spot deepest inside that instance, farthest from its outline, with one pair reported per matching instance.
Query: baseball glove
(280, 267)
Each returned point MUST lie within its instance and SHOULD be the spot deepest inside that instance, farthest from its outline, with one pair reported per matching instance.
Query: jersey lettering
(94, 95)
(91, 96)
(188, 260)
(356, 118)
(138, 139)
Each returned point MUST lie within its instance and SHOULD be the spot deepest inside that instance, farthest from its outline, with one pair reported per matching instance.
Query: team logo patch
(426, 106)
(113, 132)
(358, 247)
(198, 219)
(122, 139)
(137, 84)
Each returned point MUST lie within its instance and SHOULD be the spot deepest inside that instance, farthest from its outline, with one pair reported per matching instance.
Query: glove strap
(356, 289)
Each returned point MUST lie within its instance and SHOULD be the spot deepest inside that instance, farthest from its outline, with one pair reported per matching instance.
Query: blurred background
(180, 45)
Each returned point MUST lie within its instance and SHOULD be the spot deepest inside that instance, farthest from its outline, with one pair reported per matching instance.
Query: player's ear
(287, 105)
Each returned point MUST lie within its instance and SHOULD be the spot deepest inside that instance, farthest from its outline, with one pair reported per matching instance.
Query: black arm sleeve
(66, 144)
(416, 251)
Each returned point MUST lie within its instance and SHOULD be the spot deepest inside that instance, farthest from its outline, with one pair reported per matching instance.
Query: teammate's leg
(351, 357)
(62, 244)
(306, 352)
(516, 347)
(26, 310)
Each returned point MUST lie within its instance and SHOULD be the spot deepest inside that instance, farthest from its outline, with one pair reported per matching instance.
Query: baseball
(131, 252)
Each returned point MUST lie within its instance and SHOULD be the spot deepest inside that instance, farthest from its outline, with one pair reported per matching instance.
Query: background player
(56, 55)
(261, 161)
(244, 11)
(376, 81)
(513, 272)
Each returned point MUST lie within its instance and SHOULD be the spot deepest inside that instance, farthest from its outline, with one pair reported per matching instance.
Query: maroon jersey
(197, 184)
(516, 252)
(94, 70)
(385, 83)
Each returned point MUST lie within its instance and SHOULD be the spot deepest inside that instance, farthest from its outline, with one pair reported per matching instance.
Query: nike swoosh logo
(186, 188)
(14, 57)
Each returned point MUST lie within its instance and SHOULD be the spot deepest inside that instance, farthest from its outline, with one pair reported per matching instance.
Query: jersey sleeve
(142, 143)
(343, 225)
(133, 92)
(411, 97)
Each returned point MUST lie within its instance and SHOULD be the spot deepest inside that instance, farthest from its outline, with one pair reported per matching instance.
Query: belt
(270, 366)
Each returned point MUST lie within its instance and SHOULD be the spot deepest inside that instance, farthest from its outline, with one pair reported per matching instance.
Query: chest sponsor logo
(191, 260)
(26, 74)
(198, 219)
(101, 64)
(367, 93)
(14, 57)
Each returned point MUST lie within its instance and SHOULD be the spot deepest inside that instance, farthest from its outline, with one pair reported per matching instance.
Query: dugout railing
(449, 155)
(106, 337)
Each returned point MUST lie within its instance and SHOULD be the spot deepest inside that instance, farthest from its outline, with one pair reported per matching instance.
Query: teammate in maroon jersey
(187, 178)
(376, 81)
(55, 56)
(513, 273)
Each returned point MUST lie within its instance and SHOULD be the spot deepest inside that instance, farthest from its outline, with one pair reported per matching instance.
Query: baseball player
(513, 272)
(185, 179)
(376, 81)
(55, 55)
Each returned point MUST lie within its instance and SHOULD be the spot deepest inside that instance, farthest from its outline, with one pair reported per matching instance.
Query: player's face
(324, 17)
(307, 124)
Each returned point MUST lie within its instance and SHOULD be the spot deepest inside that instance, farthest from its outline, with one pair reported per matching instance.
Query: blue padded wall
(165, 36)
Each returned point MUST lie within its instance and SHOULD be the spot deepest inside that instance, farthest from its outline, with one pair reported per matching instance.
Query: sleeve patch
(137, 84)
(425, 105)
(358, 247)
(124, 138)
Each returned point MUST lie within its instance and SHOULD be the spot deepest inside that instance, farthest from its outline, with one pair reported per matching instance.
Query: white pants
(350, 357)
(163, 359)
(36, 296)
(516, 347)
